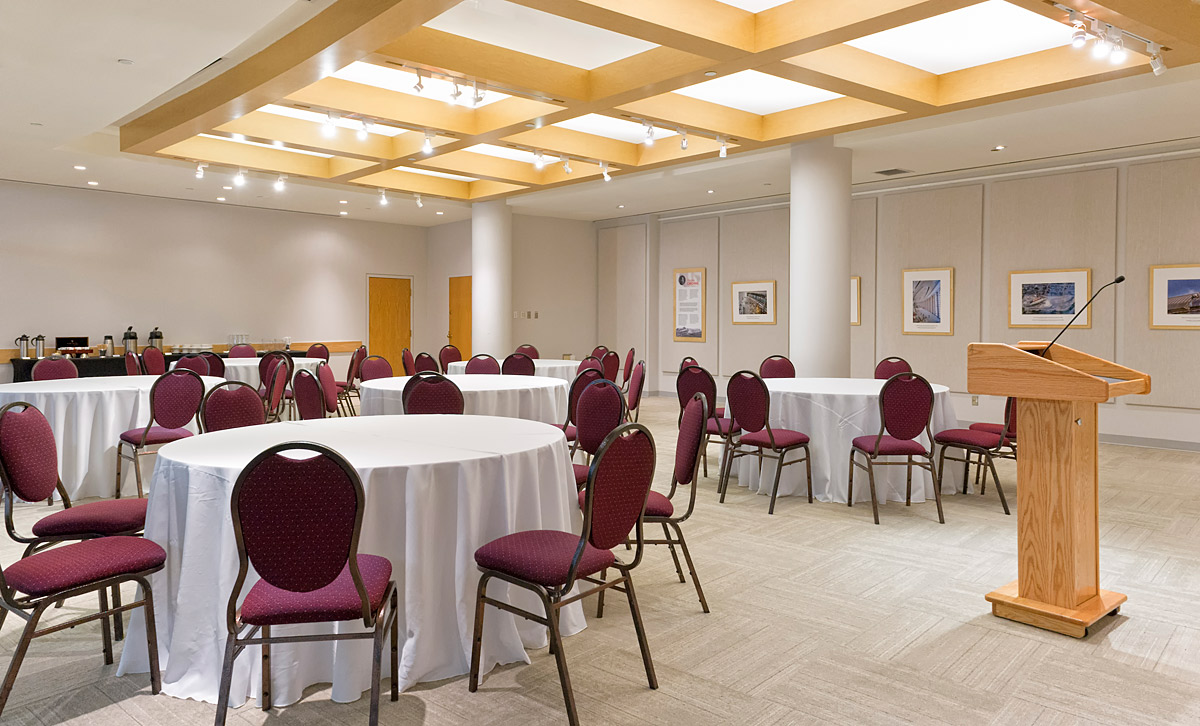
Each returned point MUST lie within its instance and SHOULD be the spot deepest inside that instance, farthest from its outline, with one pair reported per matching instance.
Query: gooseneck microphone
(1120, 279)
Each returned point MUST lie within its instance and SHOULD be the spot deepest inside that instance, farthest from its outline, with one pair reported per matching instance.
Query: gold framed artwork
(753, 303)
(1175, 297)
(855, 300)
(928, 302)
(690, 301)
(1048, 298)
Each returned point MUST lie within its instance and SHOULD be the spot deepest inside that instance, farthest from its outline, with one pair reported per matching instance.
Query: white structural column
(819, 290)
(491, 278)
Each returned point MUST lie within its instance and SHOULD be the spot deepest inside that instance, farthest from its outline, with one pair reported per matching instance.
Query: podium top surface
(1066, 374)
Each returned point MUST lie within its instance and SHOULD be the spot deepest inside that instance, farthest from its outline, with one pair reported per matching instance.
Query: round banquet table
(437, 488)
(549, 367)
(527, 397)
(246, 369)
(88, 416)
(833, 411)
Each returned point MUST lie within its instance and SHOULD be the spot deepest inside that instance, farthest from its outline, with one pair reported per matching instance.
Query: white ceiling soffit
(754, 6)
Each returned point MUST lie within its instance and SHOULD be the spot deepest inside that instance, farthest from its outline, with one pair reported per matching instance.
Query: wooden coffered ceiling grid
(222, 123)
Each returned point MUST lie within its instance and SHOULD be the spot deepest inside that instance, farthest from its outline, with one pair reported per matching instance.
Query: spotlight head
(724, 149)
(683, 141)
(567, 165)
(649, 133)
(427, 147)
(419, 202)
(383, 200)
(455, 95)
(1157, 65)
(1118, 54)
(539, 161)
(604, 171)
(239, 179)
(329, 128)
(1103, 46)
(364, 129)
(281, 183)
(1079, 37)
(199, 170)
(418, 86)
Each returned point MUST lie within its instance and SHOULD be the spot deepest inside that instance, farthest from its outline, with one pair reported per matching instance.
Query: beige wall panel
(938, 228)
(449, 256)
(622, 311)
(554, 274)
(862, 264)
(607, 244)
(1162, 228)
(688, 243)
(1062, 221)
(754, 246)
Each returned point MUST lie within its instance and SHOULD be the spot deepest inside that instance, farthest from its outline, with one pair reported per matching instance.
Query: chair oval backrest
(424, 363)
(193, 363)
(328, 386)
(280, 374)
(154, 361)
(905, 405)
(518, 364)
(297, 519)
(590, 362)
(748, 400)
(636, 383)
(600, 410)
(375, 366)
(28, 453)
(432, 393)
(318, 350)
(447, 355)
(690, 443)
(310, 399)
(267, 363)
(232, 405)
(618, 484)
(216, 365)
(687, 362)
(528, 350)
(483, 364)
(243, 350)
(692, 380)
(54, 369)
(585, 377)
(133, 365)
(175, 398)
(598, 352)
(406, 359)
(627, 370)
(354, 370)
(777, 366)
(611, 365)
(890, 366)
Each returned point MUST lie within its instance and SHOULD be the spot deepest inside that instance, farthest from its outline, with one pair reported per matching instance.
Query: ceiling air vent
(893, 172)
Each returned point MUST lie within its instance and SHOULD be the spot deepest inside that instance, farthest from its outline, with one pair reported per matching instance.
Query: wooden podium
(1058, 559)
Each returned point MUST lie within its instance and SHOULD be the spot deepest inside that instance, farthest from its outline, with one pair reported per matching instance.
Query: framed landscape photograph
(753, 303)
(1048, 298)
(1175, 297)
(690, 299)
(928, 303)
(855, 300)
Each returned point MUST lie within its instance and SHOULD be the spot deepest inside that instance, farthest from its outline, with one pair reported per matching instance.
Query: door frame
(412, 294)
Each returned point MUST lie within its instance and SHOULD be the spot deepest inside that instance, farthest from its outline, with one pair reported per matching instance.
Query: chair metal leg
(999, 489)
(871, 479)
(395, 645)
(477, 637)
(226, 679)
(908, 484)
(119, 463)
(850, 482)
(674, 556)
(937, 490)
(560, 659)
(980, 477)
(687, 557)
(137, 471)
(727, 466)
(151, 637)
(376, 671)
(808, 471)
(966, 469)
(600, 595)
(18, 656)
(105, 627)
(704, 455)
(775, 486)
(118, 619)
(641, 631)
(266, 669)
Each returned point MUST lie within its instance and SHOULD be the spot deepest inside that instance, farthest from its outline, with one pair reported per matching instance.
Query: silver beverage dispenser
(129, 340)
(39, 346)
(22, 344)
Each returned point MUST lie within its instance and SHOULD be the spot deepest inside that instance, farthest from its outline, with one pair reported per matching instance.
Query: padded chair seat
(968, 437)
(581, 473)
(991, 428)
(569, 430)
(889, 446)
(156, 435)
(784, 438)
(657, 505)
(723, 426)
(720, 412)
(108, 517)
(73, 565)
(266, 604)
(542, 556)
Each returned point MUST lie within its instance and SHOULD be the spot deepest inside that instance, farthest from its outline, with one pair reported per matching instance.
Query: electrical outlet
(974, 400)
(516, 314)
(535, 315)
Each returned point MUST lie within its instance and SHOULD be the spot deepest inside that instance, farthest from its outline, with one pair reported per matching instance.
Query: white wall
(88, 262)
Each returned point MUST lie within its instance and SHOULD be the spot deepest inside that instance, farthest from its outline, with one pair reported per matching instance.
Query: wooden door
(389, 318)
(459, 334)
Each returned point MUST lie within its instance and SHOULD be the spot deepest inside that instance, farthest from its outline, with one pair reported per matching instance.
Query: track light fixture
(1110, 42)
(683, 139)
(200, 170)
(239, 179)
(567, 165)
(419, 86)
(427, 147)
(365, 129)
(329, 128)
(383, 200)
(1118, 54)
(604, 171)
(476, 94)
(1156, 61)
(1102, 47)
(419, 202)
(1080, 36)
(724, 147)
(455, 95)
(649, 133)
(539, 161)
(281, 182)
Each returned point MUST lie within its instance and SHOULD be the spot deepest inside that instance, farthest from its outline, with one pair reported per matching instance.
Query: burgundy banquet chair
(153, 361)
(581, 381)
(890, 366)
(329, 390)
(528, 350)
(447, 355)
(424, 363)
(193, 362)
(231, 405)
(266, 368)
(598, 352)
(174, 401)
(549, 563)
(133, 364)
(310, 399)
(637, 382)
(216, 364)
(277, 390)
(483, 364)
(589, 362)
(905, 410)
(307, 561)
(518, 364)
(985, 446)
(627, 369)
(349, 388)
(410, 365)
(777, 366)
(694, 380)
(610, 364)
(54, 368)
(599, 411)
(243, 350)
(432, 393)
(318, 350)
(687, 362)
(374, 366)
(750, 405)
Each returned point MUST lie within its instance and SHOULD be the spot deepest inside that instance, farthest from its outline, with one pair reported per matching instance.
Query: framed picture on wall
(1048, 298)
(753, 303)
(855, 300)
(928, 303)
(1175, 297)
(690, 298)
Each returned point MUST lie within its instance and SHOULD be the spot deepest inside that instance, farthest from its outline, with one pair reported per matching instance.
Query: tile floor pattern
(819, 617)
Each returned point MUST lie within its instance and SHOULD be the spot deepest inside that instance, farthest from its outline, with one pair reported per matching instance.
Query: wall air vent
(893, 172)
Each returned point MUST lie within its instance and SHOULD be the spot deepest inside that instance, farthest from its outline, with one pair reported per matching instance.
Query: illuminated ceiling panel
(507, 152)
(613, 128)
(754, 6)
(345, 123)
(758, 93)
(278, 145)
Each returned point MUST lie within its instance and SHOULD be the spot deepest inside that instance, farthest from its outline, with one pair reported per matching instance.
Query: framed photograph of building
(928, 304)
(855, 300)
(1048, 298)
(690, 299)
(1175, 297)
(753, 303)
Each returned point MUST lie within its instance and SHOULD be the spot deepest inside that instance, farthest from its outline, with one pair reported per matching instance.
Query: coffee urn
(39, 347)
(155, 340)
(22, 344)
(129, 340)
(108, 346)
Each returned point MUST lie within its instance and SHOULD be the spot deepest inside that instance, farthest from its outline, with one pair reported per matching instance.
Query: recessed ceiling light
(80, 168)
(343, 201)
(343, 213)
(36, 123)
(710, 74)
(220, 199)
(710, 191)
(92, 183)
(125, 61)
(620, 206)
(1001, 147)
(439, 212)
(227, 188)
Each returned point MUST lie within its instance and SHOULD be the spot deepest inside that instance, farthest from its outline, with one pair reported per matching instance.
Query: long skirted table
(437, 488)
(833, 411)
(529, 397)
(548, 367)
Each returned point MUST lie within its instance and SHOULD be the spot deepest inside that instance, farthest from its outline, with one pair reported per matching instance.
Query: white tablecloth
(88, 416)
(549, 367)
(527, 397)
(833, 411)
(437, 487)
(246, 369)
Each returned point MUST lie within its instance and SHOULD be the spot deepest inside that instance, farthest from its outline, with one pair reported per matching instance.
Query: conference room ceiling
(553, 93)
